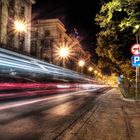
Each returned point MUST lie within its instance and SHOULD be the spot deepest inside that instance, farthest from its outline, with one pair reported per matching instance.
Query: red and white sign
(135, 49)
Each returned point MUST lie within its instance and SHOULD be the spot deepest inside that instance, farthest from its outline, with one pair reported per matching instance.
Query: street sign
(120, 79)
(135, 49)
(136, 61)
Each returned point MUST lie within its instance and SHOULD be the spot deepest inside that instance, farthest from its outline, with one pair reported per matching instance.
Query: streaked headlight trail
(22, 76)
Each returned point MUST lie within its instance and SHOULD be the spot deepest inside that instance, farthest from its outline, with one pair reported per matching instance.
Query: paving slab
(111, 118)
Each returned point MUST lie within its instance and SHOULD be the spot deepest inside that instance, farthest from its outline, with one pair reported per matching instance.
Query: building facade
(50, 35)
(12, 11)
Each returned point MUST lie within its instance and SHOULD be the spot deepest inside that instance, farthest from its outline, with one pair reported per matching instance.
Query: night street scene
(69, 70)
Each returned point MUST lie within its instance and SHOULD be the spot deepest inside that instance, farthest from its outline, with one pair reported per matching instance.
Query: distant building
(11, 11)
(47, 36)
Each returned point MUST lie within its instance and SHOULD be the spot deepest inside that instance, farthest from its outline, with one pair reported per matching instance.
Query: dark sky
(73, 14)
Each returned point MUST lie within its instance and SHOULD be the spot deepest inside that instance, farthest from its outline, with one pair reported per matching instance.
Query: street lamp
(99, 74)
(90, 69)
(81, 63)
(20, 26)
(64, 53)
(95, 72)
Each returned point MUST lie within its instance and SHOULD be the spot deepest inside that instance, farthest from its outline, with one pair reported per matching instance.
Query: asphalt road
(44, 118)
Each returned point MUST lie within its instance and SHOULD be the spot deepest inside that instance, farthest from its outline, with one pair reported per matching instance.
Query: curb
(128, 99)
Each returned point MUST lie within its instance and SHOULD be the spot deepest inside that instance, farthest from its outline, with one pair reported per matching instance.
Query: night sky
(73, 15)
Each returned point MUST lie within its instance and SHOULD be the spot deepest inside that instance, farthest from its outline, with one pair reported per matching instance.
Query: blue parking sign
(136, 61)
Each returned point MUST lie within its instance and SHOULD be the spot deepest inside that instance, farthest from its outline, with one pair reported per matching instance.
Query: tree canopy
(119, 21)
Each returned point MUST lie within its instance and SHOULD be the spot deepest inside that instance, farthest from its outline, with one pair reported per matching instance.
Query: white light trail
(16, 61)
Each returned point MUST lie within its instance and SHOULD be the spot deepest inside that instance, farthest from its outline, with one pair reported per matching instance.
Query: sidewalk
(112, 118)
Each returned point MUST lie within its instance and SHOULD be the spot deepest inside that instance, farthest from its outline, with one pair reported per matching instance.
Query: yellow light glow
(99, 74)
(64, 52)
(65, 108)
(20, 26)
(90, 68)
(95, 72)
(81, 63)
(137, 26)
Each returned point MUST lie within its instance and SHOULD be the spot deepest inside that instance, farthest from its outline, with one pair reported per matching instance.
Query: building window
(47, 33)
(65, 40)
(47, 59)
(11, 13)
(22, 11)
(34, 35)
(33, 48)
(11, 8)
(47, 44)
(10, 34)
(10, 40)
(60, 36)
(11, 4)
(42, 43)
(21, 43)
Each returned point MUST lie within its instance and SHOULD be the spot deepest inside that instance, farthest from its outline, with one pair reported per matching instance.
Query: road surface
(45, 118)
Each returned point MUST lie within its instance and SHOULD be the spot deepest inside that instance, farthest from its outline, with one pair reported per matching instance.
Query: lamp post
(81, 63)
(95, 72)
(137, 68)
(90, 69)
(18, 27)
(64, 53)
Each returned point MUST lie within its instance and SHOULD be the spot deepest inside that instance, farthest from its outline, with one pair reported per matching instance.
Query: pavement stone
(112, 118)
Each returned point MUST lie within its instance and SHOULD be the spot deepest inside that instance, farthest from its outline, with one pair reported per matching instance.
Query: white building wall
(27, 4)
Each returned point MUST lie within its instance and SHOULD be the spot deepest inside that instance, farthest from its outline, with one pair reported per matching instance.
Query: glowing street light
(95, 72)
(81, 63)
(99, 74)
(20, 26)
(90, 69)
(64, 52)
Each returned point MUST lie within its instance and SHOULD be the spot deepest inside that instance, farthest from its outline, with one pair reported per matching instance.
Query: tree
(118, 20)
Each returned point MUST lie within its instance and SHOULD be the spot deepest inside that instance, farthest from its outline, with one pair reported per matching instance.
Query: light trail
(22, 76)
(32, 101)
(16, 61)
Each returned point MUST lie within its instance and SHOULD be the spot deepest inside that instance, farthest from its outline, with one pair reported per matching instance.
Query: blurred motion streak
(22, 76)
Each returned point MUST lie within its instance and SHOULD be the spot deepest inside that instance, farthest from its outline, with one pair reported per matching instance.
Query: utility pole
(137, 69)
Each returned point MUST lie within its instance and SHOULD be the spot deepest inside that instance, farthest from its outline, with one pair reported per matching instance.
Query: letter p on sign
(136, 59)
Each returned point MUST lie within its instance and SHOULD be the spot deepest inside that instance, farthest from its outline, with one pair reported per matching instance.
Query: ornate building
(12, 11)
(50, 35)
